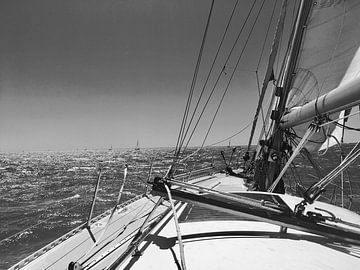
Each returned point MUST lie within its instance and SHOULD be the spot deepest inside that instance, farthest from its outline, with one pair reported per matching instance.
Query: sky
(95, 74)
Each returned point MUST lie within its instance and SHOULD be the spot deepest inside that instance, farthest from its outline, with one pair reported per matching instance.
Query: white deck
(209, 244)
(124, 223)
(241, 244)
(257, 246)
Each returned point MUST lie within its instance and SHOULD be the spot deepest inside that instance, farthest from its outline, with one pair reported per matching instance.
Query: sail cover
(327, 57)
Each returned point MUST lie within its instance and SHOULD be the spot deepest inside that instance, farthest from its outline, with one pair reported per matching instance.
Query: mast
(273, 152)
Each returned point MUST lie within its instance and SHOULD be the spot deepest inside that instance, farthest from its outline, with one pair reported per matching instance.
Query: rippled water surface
(45, 194)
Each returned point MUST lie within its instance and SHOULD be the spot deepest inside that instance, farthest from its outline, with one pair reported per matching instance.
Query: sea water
(43, 195)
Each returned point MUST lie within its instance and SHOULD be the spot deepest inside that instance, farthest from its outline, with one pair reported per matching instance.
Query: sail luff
(343, 97)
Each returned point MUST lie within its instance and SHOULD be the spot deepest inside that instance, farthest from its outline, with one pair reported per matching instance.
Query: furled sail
(328, 58)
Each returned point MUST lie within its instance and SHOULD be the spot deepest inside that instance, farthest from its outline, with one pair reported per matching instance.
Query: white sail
(328, 57)
(335, 135)
(352, 73)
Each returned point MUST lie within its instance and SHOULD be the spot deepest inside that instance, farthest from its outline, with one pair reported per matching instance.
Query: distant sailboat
(137, 147)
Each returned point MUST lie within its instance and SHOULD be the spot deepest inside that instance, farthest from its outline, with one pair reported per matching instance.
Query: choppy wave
(76, 196)
(56, 189)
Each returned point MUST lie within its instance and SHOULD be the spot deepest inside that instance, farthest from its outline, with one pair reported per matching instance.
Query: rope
(314, 191)
(266, 36)
(232, 75)
(261, 108)
(187, 108)
(218, 142)
(303, 141)
(345, 117)
(219, 76)
(269, 74)
(117, 234)
(181, 245)
(210, 71)
(265, 133)
(320, 154)
(342, 166)
(94, 197)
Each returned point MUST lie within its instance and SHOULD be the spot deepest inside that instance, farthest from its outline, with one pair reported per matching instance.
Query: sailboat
(137, 147)
(211, 220)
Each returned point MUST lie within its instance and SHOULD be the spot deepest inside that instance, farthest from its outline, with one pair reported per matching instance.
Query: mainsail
(328, 58)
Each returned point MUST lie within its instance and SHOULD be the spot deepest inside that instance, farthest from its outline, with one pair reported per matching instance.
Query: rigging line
(266, 36)
(117, 234)
(343, 165)
(347, 127)
(209, 145)
(219, 76)
(269, 126)
(183, 124)
(260, 58)
(94, 200)
(281, 39)
(351, 153)
(334, 173)
(278, 52)
(269, 69)
(221, 72)
(341, 118)
(341, 159)
(294, 13)
(112, 212)
(232, 75)
(211, 68)
(181, 245)
(301, 144)
(237, 133)
(329, 136)
(261, 108)
(293, 133)
(296, 175)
